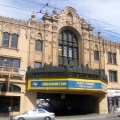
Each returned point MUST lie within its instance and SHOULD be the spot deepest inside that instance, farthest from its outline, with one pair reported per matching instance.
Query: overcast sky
(107, 11)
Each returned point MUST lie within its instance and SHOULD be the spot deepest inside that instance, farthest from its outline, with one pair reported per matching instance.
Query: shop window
(113, 76)
(68, 48)
(37, 64)
(38, 45)
(112, 58)
(9, 62)
(96, 55)
(11, 40)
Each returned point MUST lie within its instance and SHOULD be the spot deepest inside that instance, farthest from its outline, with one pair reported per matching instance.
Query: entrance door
(80, 104)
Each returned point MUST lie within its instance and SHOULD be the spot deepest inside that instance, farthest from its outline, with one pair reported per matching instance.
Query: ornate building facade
(61, 39)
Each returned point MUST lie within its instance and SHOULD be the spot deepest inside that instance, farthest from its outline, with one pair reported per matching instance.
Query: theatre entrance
(59, 103)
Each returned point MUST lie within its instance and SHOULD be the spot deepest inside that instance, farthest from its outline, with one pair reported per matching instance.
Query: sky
(102, 14)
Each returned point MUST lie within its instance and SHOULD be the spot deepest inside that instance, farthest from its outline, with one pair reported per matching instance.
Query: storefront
(113, 99)
(83, 88)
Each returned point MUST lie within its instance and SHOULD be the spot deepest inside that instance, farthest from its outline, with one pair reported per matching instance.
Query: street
(115, 118)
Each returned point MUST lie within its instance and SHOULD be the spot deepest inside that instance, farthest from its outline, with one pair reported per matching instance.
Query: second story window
(9, 40)
(113, 76)
(5, 40)
(14, 41)
(96, 55)
(37, 64)
(112, 58)
(9, 62)
(38, 45)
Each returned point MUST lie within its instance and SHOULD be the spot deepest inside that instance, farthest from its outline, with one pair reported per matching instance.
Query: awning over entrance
(53, 78)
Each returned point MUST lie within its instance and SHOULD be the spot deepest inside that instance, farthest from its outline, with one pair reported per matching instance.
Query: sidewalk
(81, 117)
(88, 117)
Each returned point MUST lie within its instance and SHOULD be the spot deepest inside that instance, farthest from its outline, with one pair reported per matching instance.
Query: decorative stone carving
(91, 36)
(26, 32)
(32, 41)
(46, 43)
(54, 44)
(14, 21)
(85, 44)
(33, 33)
(46, 36)
(91, 45)
(6, 27)
(101, 47)
(54, 28)
(15, 30)
(91, 52)
(84, 34)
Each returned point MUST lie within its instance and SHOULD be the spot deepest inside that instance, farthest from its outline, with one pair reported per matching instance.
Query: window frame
(111, 58)
(10, 62)
(96, 55)
(36, 62)
(36, 45)
(111, 76)
(13, 41)
(8, 40)
(68, 41)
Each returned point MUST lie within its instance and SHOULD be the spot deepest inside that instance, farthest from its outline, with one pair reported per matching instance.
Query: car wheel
(47, 118)
(21, 118)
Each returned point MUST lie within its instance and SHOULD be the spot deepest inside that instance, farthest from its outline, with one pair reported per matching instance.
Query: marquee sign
(39, 84)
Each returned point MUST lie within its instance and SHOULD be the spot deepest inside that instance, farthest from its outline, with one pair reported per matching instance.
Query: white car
(35, 114)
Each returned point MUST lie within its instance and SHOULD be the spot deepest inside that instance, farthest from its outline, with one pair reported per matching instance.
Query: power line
(15, 7)
(40, 4)
(80, 15)
(43, 7)
(53, 7)
(101, 21)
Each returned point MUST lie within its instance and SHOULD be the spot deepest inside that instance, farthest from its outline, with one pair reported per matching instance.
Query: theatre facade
(59, 60)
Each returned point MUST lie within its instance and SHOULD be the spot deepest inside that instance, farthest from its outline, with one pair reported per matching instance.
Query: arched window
(5, 40)
(14, 41)
(38, 45)
(96, 55)
(68, 48)
(12, 88)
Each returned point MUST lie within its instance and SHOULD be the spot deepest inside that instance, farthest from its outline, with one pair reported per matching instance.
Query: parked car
(35, 114)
